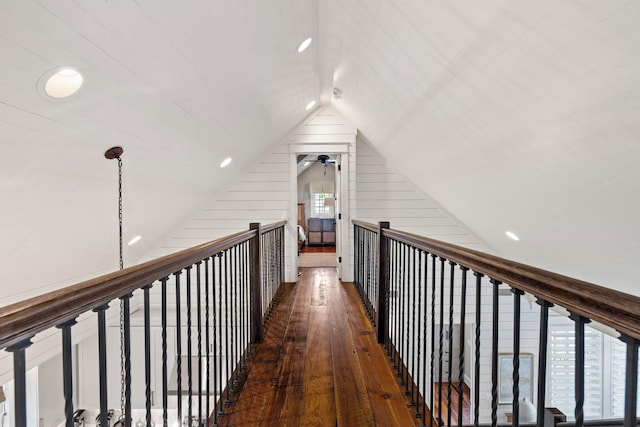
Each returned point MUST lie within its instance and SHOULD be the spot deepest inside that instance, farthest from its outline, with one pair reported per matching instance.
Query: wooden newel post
(383, 283)
(255, 258)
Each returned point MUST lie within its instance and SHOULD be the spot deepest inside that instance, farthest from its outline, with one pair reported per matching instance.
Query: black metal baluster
(67, 371)
(178, 345)
(631, 382)
(425, 266)
(452, 266)
(245, 306)
(227, 341)
(189, 350)
(463, 312)
(401, 313)
(126, 318)
(420, 333)
(579, 373)
(404, 359)
(102, 361)
(494, 355)
(516, 356)
(147, 351)
(441, 340)
(207, 340)
(216, 350)
(234, 317)
(396, 303)
(411, 314)
(165, 376)
(542, 359)
(391, 293)
(433, 336)
(20, 380)
(476, 402)
(199, 336)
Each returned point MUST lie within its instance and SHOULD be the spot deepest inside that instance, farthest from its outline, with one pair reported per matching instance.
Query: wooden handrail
(24, 319)
(618, 310)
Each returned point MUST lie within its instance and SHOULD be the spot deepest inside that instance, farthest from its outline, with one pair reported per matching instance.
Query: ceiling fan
(324, 161)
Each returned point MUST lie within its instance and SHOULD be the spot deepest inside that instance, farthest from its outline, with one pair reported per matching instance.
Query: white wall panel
(386, 195)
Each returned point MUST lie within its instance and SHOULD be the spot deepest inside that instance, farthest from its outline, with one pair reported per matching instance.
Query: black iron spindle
(178, 345)
(235, 313)
(147, 352)
(494, 354)
(216, 342)
(67, 371)
(631, 382)
(126, 336)
(425, 267)
(199, 335)
(165, 376)
(542, 359)
(433, 335)
(463, 312)
(227, 334)
(207, 339)
(476, 403)
(452, 269)
(20, 380)
(579, 322)
(189, 348)
(417, 333)
(517, 293)
(102, 361)
(441, 340)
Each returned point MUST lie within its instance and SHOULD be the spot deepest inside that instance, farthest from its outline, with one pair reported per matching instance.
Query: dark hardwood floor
(318, 249)
(319, 364)
(455, 399)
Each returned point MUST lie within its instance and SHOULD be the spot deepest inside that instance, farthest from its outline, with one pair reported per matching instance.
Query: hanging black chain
(122, 306)
(120, 210)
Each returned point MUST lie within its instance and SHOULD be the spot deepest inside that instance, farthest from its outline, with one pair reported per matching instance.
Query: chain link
(122, 308)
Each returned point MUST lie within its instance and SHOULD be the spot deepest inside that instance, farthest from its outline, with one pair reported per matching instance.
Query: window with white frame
(605, 367)
(320, 205)
(322, 199)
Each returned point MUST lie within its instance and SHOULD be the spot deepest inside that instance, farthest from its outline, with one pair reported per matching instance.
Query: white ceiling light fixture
(225, 162)
(310, 105)
(60, 82)
(512, 235)
(134, 240)
(304, 45)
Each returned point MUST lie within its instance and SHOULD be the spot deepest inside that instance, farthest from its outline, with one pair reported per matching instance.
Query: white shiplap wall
(267, 192)
(386, 195)
(260, 195)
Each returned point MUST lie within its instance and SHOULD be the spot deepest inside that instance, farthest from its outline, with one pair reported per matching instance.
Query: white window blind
(617, 375)
(561, 372)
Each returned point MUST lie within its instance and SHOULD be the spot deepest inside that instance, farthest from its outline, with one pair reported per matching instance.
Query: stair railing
(213, 298)
(416, 289)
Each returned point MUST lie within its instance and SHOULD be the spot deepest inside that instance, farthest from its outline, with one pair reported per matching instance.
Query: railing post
(20, 381)
(383, 282)
(255, 252)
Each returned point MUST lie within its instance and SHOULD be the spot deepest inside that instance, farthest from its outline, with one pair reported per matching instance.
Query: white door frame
(320, 148)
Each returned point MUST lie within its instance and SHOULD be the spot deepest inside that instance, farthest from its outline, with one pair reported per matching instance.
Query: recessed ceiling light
(225, 162)
(310, 105)
(304, 45)
(61, 82)
(512, 235)
(134, 240)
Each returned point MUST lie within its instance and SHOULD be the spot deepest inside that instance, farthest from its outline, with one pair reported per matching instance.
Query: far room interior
(317, 208)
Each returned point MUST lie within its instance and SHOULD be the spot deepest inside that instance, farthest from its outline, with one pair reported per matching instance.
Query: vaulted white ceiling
(512, 115)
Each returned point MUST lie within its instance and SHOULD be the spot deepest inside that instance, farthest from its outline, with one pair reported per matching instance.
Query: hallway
(319, 363)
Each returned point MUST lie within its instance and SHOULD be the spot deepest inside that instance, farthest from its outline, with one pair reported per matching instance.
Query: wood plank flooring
(319, 364)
